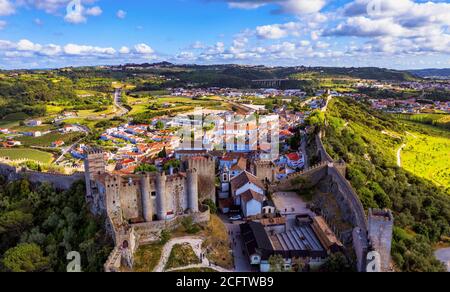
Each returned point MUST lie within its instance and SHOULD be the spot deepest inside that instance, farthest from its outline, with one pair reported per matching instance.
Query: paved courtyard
(290, 203)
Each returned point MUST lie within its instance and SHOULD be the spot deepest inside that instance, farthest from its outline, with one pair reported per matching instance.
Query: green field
(31, 154)
(440, 120)
(427, 154)
(46, 140)
(13, 120)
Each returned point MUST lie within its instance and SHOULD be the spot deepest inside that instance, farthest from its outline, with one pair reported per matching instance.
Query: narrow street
(241, 261)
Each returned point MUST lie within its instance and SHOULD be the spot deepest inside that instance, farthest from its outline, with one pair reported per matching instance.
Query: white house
(251, 203)
(247, 191)
(34, 123)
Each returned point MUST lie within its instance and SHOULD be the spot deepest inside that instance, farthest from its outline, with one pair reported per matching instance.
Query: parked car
(236, 218)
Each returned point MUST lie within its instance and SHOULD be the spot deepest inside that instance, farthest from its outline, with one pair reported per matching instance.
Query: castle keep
(143, 197)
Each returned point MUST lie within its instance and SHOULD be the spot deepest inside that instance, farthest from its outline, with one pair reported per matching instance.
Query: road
(120, 110)
(241, 260)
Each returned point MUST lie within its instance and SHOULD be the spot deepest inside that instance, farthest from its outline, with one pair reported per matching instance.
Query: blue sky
(386, 33)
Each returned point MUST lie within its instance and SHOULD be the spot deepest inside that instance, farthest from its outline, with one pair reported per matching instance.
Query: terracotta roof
(252, 195)
(293, 156)
(273, 221)
(240, 165)
(323, 231)
(243, 179)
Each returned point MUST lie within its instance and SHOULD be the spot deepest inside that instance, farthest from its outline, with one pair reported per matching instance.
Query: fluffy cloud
(94, 11)
(300, 7)
(396, 26)
(6, 8)
(124, 50)
(121, 14)
(27, 48)
(277, 31)
(143, 49)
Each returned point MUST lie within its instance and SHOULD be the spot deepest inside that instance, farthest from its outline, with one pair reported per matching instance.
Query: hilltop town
(171, 167)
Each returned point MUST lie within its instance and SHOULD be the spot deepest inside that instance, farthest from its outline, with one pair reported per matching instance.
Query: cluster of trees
(422, 210)
(39, 226)
(30, 95)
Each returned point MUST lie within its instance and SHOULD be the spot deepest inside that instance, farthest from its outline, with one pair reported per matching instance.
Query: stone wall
(59, 181)
(136, 235)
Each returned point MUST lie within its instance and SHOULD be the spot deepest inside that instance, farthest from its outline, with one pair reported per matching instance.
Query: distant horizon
(221, 64)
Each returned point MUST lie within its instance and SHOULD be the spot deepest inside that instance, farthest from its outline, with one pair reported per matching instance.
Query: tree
(165, 236)
(163, 153)
(211, 205)
(159, 125)
(25, 258)
(145, 167)
(337, 263)
(276, 263)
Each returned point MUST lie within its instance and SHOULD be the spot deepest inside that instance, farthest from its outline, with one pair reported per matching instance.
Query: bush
(211, 205)
(165, 236)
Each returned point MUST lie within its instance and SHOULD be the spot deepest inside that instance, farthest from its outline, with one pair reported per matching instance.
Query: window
(153, 194)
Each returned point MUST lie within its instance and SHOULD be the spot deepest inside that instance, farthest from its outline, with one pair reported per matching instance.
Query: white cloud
(143, 49)
(121, 14)
(94, 11)
(299, 7)
(6, 8)
(38, 21)
(81, 50)
(124, 50)
(278, 31)
(75, 17)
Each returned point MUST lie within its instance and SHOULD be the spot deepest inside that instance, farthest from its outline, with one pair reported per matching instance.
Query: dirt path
(399, 155)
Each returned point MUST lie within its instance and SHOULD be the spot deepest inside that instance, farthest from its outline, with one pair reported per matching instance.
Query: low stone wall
(144, 233)
(151, 231)
(59, 181)
(324, 156)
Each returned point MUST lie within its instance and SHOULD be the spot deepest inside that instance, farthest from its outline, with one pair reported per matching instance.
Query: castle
(147, 197)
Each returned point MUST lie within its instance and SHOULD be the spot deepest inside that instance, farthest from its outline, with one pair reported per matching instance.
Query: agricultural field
(440, 120)
(167, 104)
(46, 140)
(427, 154)
(23, 153)
(13, 120)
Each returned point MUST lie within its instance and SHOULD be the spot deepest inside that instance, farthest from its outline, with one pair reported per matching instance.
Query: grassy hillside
(368, 142)
(427, 154)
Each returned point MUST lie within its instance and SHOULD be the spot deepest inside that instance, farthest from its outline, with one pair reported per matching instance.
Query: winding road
(120, 109)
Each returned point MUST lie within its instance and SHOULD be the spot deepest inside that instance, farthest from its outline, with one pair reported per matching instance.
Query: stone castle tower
(265, 171)
(380, 228)
(206, 170)
(94, 165)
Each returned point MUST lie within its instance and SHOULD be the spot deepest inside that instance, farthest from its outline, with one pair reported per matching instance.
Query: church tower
(225, 177)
